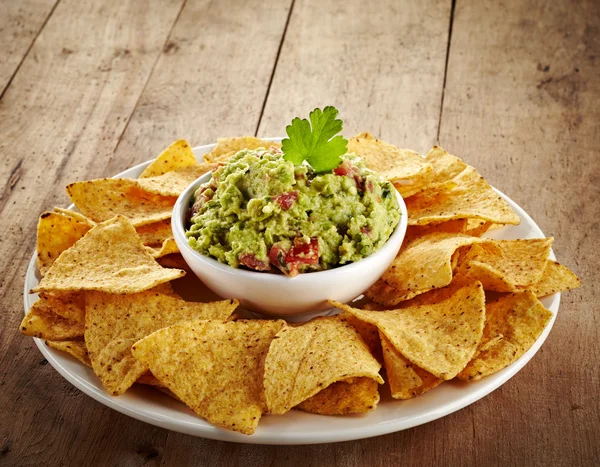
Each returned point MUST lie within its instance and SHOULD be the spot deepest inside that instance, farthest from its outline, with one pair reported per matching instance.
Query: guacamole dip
(261, 212)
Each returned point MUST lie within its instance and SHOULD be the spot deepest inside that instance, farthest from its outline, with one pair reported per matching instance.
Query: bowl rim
(179, 233)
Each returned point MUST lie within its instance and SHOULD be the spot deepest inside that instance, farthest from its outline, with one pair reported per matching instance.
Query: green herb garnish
(317, 145)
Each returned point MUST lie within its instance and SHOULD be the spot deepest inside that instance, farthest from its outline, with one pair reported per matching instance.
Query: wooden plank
(380, 63)
(60, 119)
(20, 23)
(211, 79)
(521, 105)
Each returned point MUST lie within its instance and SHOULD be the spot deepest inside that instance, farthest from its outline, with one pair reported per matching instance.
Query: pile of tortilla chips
(453, 305)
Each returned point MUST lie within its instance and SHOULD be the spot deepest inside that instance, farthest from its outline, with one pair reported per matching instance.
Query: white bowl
(277, 294)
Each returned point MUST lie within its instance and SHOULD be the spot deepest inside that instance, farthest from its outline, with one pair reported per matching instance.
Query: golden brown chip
(168, 247)
(76, 348)
(513, 323)
(214, 367)
(405, 168)
(445, 167)
(469, 197)
(174, 261)
(156, 233)
(306, 359)
(41, 321)
(511, 264)
(110, 258)
(440, 338)
(355, 395)
(414, 232)
(227, 147)
(406, 379)
(368, 333)
(113, 323)
(177, 156)
(68, 305)
(56, 232)
(555, 278)
(149, 379)
(175, 182)
(105, 198)
(425, 264)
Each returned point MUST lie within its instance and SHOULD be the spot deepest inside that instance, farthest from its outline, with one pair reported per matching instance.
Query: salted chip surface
(512, 263)
(227, 147)
(513, 324)
(177, 156)
(425, 264)
(470, 196)
(406, 380)
(214, 367)
(156, 233)
(368, 333)
(168, 247)
(110, 258)
(68, 305)
(355, 395)
(440, 338)
(76, 348)
(113, 323)
(407, 169)
(173, 183)
(445, 167)
(555, 278)
(43, 322)
(105, 198)
(306, 359)
(57, 232)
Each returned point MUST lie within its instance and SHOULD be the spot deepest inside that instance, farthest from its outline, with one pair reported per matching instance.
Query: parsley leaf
(317, 145)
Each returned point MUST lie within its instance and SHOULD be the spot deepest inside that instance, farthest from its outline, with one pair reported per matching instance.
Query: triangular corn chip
(110, 258)
(43, 322)
(113, 323)
(555, 278)
(469, 197)
(355, 395)
(513, 323)
(440, 338)
(306, 359)
(56, 232)
(175, 182)
(177, 156)
(214, 367)
(105, 198)
(76, 348)
(406, 379)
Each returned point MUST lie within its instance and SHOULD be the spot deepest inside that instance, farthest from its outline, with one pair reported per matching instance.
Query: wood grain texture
(520, 104)
(210, 80)
(380, 63)
(20, 23)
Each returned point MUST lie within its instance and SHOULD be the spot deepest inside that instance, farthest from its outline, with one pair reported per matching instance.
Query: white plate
(297, 427)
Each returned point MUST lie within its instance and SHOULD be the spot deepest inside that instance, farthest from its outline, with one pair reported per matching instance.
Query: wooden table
(89, 88)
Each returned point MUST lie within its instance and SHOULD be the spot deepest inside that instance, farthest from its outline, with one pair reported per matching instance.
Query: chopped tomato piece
(286, 200)
(345, 168)
(250, 261)
(305, 253)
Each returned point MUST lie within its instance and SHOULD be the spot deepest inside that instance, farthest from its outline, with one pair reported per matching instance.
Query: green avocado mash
(263, 212)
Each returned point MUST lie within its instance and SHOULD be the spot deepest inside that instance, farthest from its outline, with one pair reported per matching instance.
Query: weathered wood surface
(107, 84)
(20, 24)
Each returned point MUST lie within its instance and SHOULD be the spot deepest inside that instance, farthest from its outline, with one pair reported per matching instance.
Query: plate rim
(204, 429)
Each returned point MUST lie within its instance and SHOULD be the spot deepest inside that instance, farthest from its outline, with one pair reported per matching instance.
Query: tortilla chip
(56, 232)
(76, 348)
(368, 333)
(555, 278)
(177, 156)
(513, 324)
(470, 197)
(41, 321)
(214, 367)
(168, 247)
(174, 261)
(414, 232)
(405, 168)
(68, 305)
(175, 182)
(355, 395)
(156, 233)
(110, 258)
(511, 264)
(477, 227)
(227, 147)
(113, 323)
(445, 167)
(148, 379)
(406, 379)
(105, 198)
(306, 359)
(440, 338)
(425, 264)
